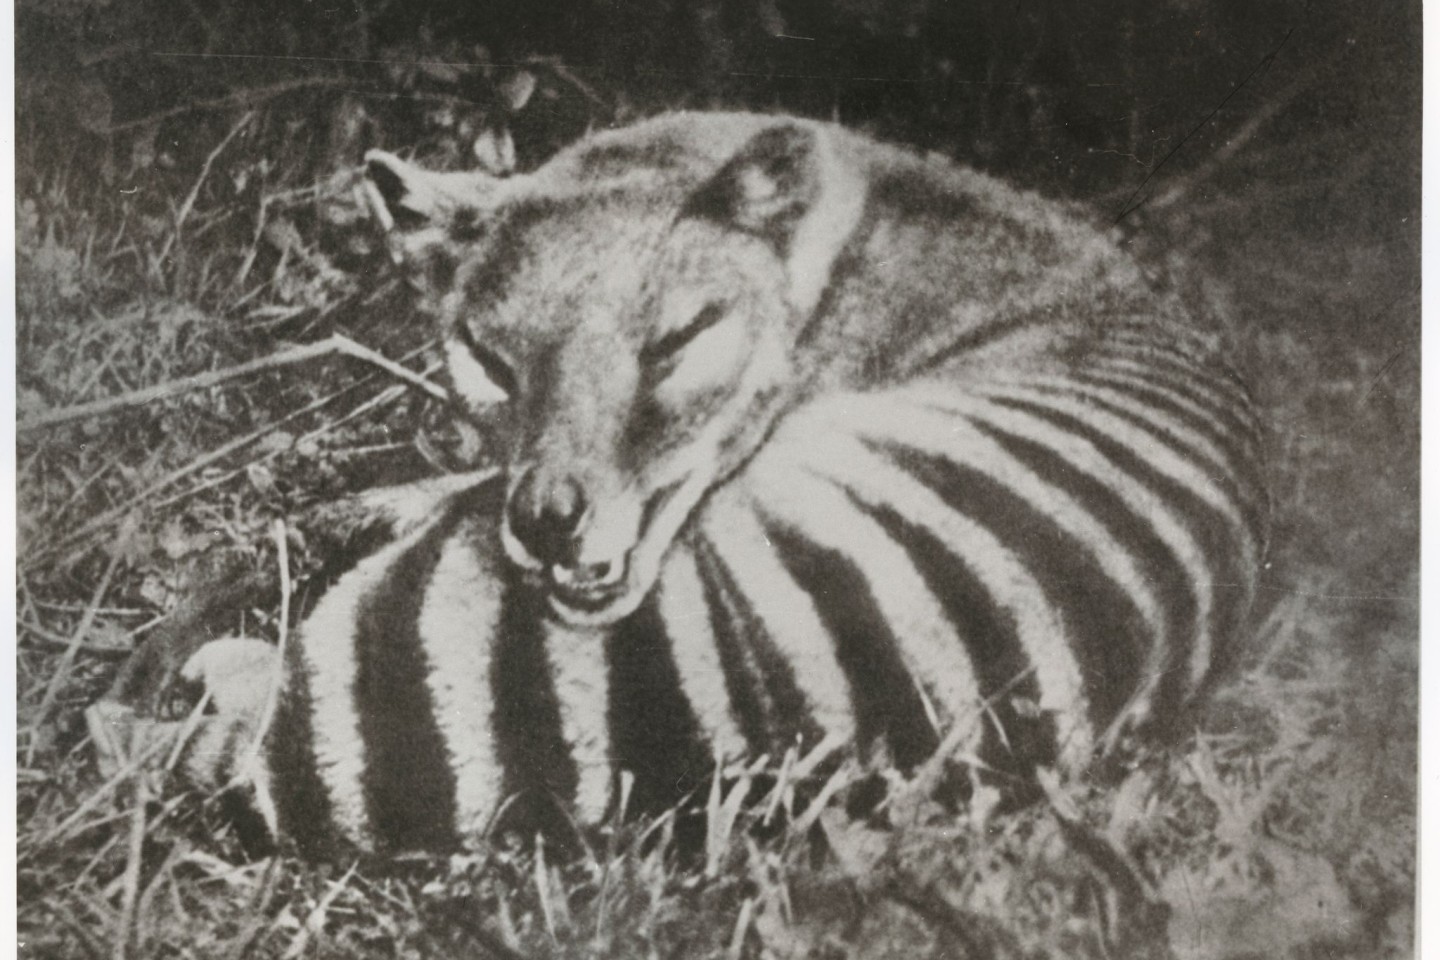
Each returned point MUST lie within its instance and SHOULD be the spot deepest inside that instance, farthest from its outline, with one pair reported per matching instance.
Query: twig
(133, 766)
(386, 396)
(1183, 186)
(315, 919)
(62, 669)
(350, 348)
(1131, 203)
(75, 926)
(1137, 915)
(57, 642)
(336, 343)
(261, 218)
(125, 925)
(219, 453)
(252, 95)
(190, 198)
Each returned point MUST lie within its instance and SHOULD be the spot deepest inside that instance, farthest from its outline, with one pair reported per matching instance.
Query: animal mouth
(590, 590)
(605, 593)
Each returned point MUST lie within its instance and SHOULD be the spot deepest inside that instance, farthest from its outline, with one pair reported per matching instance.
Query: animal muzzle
(547, 519)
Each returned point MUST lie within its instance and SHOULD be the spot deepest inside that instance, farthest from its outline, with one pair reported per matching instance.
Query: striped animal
(806, 440)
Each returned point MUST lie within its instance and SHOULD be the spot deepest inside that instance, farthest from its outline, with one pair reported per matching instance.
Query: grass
(1283, 827)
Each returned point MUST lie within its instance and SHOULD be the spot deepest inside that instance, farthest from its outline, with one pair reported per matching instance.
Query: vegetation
(186, 205)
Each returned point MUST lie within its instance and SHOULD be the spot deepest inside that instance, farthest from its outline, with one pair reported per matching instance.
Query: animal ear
(427, 216)
(793, 187)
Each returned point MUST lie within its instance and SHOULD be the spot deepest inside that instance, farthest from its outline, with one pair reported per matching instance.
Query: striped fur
(1008, 500)
(1027, 566)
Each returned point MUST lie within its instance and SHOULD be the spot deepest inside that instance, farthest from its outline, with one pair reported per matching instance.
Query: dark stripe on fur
(770, 707)
(850, 259)
(887, 704)
(303, 805)
(1207, 526)
(1203, 362)
(653, 732)
(1109, 636)
(1241, 473)
(1225, 475)
(408, 781)
(1134, 533)
(1235, 433)
(539, 768)
(975, 339)
(1007, 679)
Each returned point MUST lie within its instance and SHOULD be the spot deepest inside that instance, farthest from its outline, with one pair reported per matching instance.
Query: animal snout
(546, 516)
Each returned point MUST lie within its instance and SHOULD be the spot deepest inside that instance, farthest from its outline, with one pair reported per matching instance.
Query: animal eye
(673, 342)
(496, 367)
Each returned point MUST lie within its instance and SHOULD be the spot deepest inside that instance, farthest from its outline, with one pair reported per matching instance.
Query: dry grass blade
(193, 195)
(44, 638)
(742, 926)
(62, 669)
(846, 774)
(247, 95)
(125, 927)
(132, 766)
(548, 906)
(257, 920)
(251, 762)
(723, 809)
(336, 344)
(315, 921)
(617, 822)
(104, 520)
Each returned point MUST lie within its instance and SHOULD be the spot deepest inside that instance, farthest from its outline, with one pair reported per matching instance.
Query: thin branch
(131, 768)
(194, 193)
(360, 352)
(1183, 186)
(1131, 202)
(252, 95)
(115, 513)
(55, 641)
(333, 344)
(62, 669)
(125, 926)
(219, 453)
(386, 396)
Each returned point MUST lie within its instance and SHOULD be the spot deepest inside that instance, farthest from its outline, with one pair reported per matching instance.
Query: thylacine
(807, 440)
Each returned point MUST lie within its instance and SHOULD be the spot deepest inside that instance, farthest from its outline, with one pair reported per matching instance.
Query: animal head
(629, 313)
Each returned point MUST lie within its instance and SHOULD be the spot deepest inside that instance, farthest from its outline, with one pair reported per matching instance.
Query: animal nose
(545, 516)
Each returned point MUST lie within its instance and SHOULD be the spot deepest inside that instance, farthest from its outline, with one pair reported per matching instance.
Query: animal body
(808, 442)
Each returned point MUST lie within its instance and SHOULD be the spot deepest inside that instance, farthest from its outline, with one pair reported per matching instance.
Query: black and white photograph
(724, 479)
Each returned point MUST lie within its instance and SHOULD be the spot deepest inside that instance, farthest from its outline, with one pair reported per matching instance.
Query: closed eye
(669, 344)
(496, 367)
